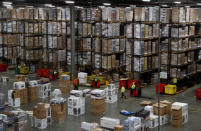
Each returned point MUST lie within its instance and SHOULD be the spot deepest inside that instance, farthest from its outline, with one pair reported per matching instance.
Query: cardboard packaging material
(162, 109)
(98, 106)
(119, 128)
(146, 103)
(32, 93)
(41, 111)
(176, 113)
(58, 111)
(168, 107)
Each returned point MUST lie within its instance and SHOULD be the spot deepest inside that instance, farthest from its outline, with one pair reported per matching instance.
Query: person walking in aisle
(123, 90)
(132, 88)
(76, 83)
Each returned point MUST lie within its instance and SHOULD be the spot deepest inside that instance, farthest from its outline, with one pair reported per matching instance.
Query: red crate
(162, 88)
(3, 67)
(123, 83)
(46, 73)
(40, 72)
(198, 93)
(130, 83)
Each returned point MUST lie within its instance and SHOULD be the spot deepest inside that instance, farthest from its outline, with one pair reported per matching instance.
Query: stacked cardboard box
(13, 98)
(176, 116)
(64, 83)
(44, 90)
(20, 78)
(132, 123)
(41, 115)
(32, 90)
(111, 93)
(76, 105)
(14, 120)
(98, 102)
(118, 128)
(184, 107)
(58, 111)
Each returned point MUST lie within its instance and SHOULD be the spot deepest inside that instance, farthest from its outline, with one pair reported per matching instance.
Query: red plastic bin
(3, 67)
(46, 73)
(130, 83)
(123, 83)
(198, 93)
(162, 88)
(40, 72)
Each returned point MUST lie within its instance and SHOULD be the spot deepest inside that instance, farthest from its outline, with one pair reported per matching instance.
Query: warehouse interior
(104, 65)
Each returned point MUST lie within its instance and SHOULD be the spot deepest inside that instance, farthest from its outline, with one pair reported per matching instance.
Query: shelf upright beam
(72, 22)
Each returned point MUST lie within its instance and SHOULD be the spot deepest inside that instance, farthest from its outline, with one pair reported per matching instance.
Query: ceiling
(98, 2)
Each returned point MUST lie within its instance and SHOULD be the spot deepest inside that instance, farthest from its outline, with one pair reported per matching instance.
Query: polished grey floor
(112, 110)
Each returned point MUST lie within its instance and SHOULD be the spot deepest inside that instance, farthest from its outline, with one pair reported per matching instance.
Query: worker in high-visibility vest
(76, 83)
(132, 88)
(123, 90)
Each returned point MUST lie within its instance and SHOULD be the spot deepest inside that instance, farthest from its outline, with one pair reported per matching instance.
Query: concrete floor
(112, 110)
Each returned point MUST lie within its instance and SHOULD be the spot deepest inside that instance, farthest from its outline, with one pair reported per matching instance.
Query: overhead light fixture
(106, 4)
(7, 3)
(29, 6)
(164, 5)
(177, 2)
(198, 4)
(49, 5)
(69, 2)
(146, 0)
(187, 6)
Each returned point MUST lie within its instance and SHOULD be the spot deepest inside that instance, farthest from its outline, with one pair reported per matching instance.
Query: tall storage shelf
(185, 43)
(146, 40)
(27, 36)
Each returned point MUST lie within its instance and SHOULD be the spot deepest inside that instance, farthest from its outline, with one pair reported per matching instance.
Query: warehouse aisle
(112, 110)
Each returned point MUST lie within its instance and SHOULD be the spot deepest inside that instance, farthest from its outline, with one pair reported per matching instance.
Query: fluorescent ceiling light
(49, 5)
(106, 4)
(69, 2)
(146, 0)
(164, 5)
(187, 6)
(29, 6)
(198, 3)
(177, 2)
(7, 3)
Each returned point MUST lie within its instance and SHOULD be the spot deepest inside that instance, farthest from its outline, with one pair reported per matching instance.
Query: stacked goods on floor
(109, 123)
(76, 103)
(177, 113)
(4, 79)
(85, 126)
(64, 83)
(21, 78)
(35, 35)
(111, 93)
(2, 100)
(97, 102)
(82, 76)
(41, 115)
(14, 120)
(44, 89)
(32, 90)
(184, 107)
(19, 94)
(58, 106)
(132, 123)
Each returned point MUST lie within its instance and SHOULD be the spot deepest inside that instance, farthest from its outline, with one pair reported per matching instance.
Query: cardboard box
(176, 112)
(168, 107)
(119, 128)
(146, 103)
(162, 109)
